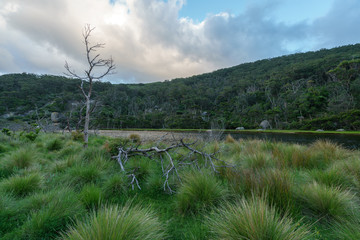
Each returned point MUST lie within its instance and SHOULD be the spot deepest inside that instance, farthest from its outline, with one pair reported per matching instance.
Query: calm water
(346, 140)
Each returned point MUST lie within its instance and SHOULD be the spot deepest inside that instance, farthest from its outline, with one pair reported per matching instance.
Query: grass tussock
(327, 202)
(55, 217)
(255, 220)
(54, 188)
(199, 191)
(113, 222)
(91, 196)
(20, 186)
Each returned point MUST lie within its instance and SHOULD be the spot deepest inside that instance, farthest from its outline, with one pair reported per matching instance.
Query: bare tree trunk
(94, 61)
(87, 121)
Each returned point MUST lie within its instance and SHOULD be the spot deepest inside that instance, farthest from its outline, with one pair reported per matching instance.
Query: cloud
(339, 26)
(150, 42)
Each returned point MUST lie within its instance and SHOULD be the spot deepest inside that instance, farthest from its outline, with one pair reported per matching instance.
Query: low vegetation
(53, 188)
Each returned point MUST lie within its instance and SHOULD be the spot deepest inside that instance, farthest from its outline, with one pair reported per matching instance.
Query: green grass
(200, 190)
(20, 186)
(254, 219)
(113, 222)
(53, 188)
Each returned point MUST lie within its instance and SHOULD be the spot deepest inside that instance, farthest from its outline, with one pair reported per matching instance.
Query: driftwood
(169, 165)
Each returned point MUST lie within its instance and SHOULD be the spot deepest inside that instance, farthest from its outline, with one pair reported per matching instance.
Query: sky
(157, 40)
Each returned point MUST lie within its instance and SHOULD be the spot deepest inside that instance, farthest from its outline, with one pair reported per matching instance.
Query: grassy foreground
(53, 188)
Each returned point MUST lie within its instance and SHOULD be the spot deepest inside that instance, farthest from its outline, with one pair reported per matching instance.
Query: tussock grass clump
(55, 217)
(55, 144)
(278, 186)
(83, 174)
(328, 202)
(350, 166)
(347, 230)
(200, 190)
(255, 220)
(21, 186)
(92, 153)
(115, 186)
(334, 177)
(293, 155)
(135, 138)
(113, 222)
(22, 158)
(77, 136)
(229, 139)
(256, 160)
(91, 196)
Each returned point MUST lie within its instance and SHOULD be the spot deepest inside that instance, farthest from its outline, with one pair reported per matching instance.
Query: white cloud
(148, 40)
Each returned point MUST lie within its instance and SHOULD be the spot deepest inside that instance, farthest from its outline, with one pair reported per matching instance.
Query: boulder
(319, 130)
(340, 130)
(265, 124)
(240, 128)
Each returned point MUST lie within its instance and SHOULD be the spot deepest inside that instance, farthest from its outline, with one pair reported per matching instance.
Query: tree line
(300, 91)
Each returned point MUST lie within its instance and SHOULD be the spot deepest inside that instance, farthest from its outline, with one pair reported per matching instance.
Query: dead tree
(91, 74)
(169, 165)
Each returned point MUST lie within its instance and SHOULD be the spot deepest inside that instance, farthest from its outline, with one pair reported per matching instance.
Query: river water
(350, 141)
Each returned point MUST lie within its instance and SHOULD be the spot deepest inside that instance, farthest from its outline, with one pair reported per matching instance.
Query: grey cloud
(151, 43)
(340, 26)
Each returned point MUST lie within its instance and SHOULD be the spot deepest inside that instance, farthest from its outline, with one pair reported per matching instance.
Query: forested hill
(307, 90)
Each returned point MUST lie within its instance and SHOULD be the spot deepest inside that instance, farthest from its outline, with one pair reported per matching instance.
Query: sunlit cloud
(149, 41)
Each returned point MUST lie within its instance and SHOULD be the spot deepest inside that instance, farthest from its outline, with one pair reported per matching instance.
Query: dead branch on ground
(169, 165)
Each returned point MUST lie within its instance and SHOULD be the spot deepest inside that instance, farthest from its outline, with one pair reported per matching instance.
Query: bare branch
(169, 166)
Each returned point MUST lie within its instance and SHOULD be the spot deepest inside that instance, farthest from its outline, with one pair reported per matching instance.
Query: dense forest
(310, 90)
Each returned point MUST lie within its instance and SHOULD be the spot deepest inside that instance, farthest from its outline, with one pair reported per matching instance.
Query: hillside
(305, 91)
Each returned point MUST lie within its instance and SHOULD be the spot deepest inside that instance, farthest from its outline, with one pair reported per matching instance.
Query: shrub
(77, 136)
(21, 186)
(49, 221)
(111, 146)
(328, 202)
(91, 196)
(199, 190)
(135, 138)
(118, 223)
(254, 220)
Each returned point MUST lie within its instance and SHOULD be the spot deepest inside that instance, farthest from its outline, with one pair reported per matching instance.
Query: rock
(55, 117)
(340, 130)
(240, 128)
(319, 130)
(265, 124)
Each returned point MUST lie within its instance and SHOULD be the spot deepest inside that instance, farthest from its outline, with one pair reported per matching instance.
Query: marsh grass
(91, 196)
(254, 219)
(113, 222)
(55, 144)
(327, 202)
(115, 186)
(334, 177)
(82, 174)
(279, 175)
(56, 216)
(20, 186)
(199, 191)
(347, 230)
